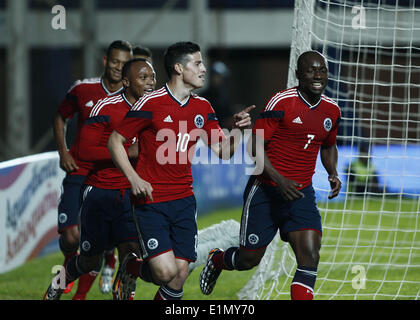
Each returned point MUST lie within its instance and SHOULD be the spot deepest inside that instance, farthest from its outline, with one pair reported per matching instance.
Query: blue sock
(230, 258)
(73, 270)
(167, 293)
(305, 276)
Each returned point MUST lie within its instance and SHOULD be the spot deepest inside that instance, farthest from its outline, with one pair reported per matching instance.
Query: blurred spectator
(218, 94)
(363, 176)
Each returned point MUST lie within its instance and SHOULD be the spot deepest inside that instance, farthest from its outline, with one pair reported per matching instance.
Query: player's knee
(182, 273)
(71, 237)
(164, 273)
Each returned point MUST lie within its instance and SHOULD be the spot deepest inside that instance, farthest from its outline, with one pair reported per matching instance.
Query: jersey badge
(199, 121)
(327, 124)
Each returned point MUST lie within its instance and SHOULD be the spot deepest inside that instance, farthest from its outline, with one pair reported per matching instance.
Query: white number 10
(311, 137)
(182, 143)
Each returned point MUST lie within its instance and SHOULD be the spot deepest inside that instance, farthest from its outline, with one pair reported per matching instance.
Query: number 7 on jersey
(310, 138)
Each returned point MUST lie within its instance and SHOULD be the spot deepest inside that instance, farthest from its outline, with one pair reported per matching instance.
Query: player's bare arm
(288, 188)
(241, 121)
(133, 150)
(139, 187)
(329, 156)
(67, 163)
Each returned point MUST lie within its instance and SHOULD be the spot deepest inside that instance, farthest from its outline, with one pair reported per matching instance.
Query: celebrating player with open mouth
(164, 202)
(296, 124)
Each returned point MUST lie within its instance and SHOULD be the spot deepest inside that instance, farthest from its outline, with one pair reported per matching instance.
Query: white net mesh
(371, 233)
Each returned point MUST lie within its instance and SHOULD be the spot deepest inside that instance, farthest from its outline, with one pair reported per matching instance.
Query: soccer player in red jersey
(294, 127)
(169, 122)
(105, 214)
(80, 99)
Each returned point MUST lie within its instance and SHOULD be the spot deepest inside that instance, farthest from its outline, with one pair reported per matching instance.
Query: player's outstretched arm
(139, 187)
(227, 147)
(288, 188)
(67, 163)
(329, 158)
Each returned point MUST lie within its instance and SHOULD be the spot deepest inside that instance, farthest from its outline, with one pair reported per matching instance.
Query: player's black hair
(127, 65)
(119, 45)
(142, 51)
(308, 53)
(176, 53)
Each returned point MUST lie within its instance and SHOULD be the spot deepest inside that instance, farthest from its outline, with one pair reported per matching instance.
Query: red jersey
(104, 117)
(80, 99)
(167, 132)
(295, 131)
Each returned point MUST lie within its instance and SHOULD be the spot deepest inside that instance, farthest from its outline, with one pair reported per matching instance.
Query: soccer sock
(230, 258)
(226, 260)
(167, 293)
(303, 283)
(86, 280)
(85, 283)
(110, 258)
(133, 267)
(73, 270)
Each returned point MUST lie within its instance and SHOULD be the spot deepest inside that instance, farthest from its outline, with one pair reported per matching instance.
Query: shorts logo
(327, 124)
(152, 244)
(86, 245)
(253, 238)
(62, 218)
(199, 121)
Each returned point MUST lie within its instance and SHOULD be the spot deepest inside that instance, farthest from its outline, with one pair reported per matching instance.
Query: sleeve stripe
(139, 114)
(101, 103)
(271, 114)
(139, 104)
(97, 119)
(276, 99)
(279, 96)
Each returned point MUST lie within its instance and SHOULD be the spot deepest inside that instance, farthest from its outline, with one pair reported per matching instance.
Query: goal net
(371, 232)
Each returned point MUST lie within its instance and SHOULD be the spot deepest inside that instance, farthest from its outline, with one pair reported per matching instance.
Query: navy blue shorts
(166, 226)
(265, 211)
(106, 220)
(70, 201)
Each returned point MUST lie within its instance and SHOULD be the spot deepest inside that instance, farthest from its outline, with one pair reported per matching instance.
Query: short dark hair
(309, 53)
(176, 54)
(142, 51)
(127, 65)
(119, 45)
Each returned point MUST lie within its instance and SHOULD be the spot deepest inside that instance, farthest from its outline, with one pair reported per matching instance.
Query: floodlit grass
(377, 239)
(32, 279)
(381, 236)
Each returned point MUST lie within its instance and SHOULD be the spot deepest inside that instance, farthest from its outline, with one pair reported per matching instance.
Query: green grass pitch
(381, 236)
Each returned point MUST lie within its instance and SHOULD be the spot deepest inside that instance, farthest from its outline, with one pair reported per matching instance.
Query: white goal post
(371, 233)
